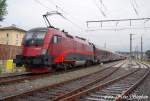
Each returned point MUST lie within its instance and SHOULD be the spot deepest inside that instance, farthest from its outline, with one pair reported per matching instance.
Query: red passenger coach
(48, 48)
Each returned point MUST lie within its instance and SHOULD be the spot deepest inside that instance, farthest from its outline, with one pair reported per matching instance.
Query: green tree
(148, 53)
(3, 10)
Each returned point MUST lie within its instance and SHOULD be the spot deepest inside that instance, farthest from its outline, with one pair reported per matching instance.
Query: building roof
(12, 28)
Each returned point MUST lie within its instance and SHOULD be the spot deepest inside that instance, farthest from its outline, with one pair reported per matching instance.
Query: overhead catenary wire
(37, 1)
(119, 29)
(114, 20)
(117, 20)
(102, 3)
(40, 3)
(63, 11)
(136, 4)
(133, 4)
(57, 7)
(101, 11)
(58, 13)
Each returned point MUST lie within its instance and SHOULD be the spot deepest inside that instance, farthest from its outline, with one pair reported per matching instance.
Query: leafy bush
(148, 54)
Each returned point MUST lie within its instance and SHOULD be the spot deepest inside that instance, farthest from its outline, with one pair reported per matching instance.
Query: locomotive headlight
(44, 51)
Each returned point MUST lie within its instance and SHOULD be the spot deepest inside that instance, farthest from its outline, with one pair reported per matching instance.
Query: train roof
(39, 29)
(76, 38)
(102, 48)
(107, 50)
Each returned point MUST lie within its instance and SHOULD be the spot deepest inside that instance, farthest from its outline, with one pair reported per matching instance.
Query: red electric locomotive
(44, 49)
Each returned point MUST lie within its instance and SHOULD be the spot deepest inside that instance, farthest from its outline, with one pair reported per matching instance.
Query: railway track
(19, 78)
(57, 91)
(5, 76)
(117, 89)
(29, 76)
(142, 91)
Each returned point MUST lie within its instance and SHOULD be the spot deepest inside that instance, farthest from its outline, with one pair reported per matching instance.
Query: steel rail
(22, 77)
(9, 98)
(27, 76)
(98, 87)
(14, 75)
(77, 90)
(130, 90)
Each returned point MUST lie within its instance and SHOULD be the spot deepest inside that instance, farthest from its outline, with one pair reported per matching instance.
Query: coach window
(59, 38)
(56, 39)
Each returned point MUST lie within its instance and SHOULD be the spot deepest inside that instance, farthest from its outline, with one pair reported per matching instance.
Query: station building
(10, 41)
(11, 35)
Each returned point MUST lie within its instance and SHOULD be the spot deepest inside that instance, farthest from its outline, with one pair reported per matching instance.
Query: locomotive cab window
(34, 38)
(56, 39)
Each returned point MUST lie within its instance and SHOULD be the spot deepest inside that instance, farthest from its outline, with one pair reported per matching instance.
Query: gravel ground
(52, 93)
(12, 74)
(27, 85)
(116, 88)
(142, 93)
(123, 70)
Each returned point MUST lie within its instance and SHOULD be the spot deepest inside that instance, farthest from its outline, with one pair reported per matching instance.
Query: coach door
(94, 50)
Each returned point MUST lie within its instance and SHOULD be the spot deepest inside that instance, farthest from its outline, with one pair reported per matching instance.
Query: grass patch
(147, 62)
(0, 69)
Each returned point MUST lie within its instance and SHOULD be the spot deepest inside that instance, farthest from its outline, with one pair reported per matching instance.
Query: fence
(7, 52)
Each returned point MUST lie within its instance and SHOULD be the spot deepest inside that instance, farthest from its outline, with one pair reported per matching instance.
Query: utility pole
(131, 47)
(141, 48)
(105, 45)
(136, 52)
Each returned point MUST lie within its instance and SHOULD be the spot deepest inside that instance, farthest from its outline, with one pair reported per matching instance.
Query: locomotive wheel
(88, 63)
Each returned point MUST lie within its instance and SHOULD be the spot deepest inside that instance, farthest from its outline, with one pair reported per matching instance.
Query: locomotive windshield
(34, 38)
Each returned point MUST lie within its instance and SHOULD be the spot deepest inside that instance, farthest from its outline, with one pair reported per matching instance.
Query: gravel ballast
(27, 85)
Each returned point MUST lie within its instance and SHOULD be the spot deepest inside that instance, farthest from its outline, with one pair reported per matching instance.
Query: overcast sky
(27, 14)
